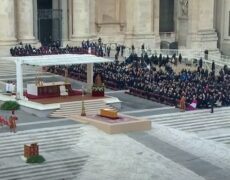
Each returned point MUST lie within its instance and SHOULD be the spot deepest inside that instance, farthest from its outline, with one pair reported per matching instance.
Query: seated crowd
(154, 78)
(87, 47)
(148, 77)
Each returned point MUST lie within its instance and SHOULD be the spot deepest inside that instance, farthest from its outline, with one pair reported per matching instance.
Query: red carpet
(44, 96)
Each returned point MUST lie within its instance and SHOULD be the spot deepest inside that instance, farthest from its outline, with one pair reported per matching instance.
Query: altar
(48, 89)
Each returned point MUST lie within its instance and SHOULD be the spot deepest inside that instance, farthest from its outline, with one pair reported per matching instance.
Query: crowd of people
(150, 77)
(154, 77)
(87, 47)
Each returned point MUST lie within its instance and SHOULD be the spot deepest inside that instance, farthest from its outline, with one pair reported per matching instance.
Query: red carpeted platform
(45, 96)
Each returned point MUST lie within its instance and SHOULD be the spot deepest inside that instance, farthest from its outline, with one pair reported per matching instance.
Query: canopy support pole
(19, 78)
(89, 76)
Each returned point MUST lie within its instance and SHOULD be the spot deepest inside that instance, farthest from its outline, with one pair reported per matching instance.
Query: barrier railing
(189, 54)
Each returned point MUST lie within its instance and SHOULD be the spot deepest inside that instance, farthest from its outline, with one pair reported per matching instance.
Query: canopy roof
(60, 59)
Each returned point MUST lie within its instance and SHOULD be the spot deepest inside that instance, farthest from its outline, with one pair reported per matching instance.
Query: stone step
(57, 174)
(223, 136)
(47, 142)
(201, 122)
(54, 143)
(197, 122)
(59, 158)
(6, 145)
(195, 117)
(74, 171)
(69, 109)
(185, 119)
(46, 169)
(48, 147)
(7, 136)
(62, 114)
(86, 106)
(184, 115)
(37, 136)
(210, 127)
(80, 104)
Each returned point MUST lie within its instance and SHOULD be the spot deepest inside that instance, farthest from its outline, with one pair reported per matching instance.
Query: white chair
(63, 91)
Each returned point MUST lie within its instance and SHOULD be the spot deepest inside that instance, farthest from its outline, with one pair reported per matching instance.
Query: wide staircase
(75, 108)
(212, 126)
(58, 145)
(8, 68)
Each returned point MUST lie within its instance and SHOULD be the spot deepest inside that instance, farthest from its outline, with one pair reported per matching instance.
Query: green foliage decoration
(35, 159)
(10, 105)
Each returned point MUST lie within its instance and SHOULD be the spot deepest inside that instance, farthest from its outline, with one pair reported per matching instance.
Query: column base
(150, 41)
(5, 46)
(8, 42)
(112, 38)
(64, 42)
(77, 40)
(204, 39)
(28, 40)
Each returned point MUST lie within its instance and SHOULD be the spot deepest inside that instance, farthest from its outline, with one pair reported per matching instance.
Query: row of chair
(153, 96)
(83, 77)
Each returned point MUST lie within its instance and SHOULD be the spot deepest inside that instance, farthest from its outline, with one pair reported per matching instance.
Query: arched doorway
(49, 22)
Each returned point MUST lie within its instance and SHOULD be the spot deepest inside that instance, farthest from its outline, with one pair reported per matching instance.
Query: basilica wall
(181, 21)
(110, 20)
(222, 25)
(196, 24)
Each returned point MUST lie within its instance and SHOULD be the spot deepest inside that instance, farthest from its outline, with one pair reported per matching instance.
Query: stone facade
(196, 24)
(222, 25)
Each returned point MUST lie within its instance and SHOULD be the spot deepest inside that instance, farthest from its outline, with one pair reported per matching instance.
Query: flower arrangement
(98, 88)
(98, 91)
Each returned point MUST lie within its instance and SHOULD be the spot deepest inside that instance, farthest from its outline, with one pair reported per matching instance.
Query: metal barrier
(189, 54)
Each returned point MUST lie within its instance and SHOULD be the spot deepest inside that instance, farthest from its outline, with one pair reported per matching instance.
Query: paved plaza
(181, 145)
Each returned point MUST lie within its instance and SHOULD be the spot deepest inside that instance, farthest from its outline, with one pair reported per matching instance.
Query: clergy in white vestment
(7, 87)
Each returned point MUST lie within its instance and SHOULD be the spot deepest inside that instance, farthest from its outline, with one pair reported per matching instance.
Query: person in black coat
(212, 102)
(201, 63)
(180, 58)
(213, 66)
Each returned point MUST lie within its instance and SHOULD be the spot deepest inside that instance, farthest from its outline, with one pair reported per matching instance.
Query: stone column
(25, 21)
(156, 26)
(92, 30)
(7, 29)
(81, 20)
(35, 19)
(89, 76)
(141, 25)
(65, 30)
(143, 17)
(201, 26)
(129, 23)
(129, 16)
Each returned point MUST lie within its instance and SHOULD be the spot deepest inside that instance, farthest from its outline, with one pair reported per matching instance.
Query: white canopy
(60, 59)
(51, 60)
